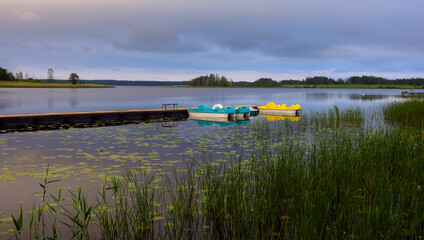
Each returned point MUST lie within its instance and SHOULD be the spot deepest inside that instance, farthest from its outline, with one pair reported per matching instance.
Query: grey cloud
(292, 31)
(159, 39)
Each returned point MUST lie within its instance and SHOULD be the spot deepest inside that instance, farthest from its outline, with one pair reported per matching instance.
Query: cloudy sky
(241, 39)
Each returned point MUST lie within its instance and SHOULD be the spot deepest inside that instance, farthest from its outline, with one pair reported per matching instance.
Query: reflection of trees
(319, 96)
(370, 98)
(4, 101)
(73, 99)
(323, 96)
(50, 99)
(3, 105)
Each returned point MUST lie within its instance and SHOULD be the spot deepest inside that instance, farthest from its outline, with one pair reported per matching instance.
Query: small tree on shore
(19, 76)
(74, 78)
(50, 75)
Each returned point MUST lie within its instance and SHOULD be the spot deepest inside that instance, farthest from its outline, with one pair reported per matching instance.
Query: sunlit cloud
(26, 15)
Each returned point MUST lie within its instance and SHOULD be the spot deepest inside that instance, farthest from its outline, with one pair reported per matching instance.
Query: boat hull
(279, 112)
(205, 115)
(253, 111)
(243, 116)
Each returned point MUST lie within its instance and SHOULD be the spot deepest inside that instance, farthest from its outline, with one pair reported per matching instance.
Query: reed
(366, 187)
(328, 176)
(408, 113)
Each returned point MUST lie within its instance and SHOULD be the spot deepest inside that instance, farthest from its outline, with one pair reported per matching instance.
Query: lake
(85, 157)
(42, 100)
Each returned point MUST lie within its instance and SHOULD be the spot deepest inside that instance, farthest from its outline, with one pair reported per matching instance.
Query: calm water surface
(15, 100)
(85, 156)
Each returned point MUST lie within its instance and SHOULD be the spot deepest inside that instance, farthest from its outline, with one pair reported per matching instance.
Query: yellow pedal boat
(273, 109)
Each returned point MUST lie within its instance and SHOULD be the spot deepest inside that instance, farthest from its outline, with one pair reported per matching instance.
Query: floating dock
(60, 120)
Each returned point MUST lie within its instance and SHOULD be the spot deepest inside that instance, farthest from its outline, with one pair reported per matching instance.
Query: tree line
(6, 75)
(213, 80)
(321, 80)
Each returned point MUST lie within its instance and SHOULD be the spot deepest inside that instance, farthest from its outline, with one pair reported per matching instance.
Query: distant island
(213, 80)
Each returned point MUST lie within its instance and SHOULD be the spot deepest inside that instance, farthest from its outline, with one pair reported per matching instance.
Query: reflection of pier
(369, 97)
(171, 123)
(412, 93)
(43, 121)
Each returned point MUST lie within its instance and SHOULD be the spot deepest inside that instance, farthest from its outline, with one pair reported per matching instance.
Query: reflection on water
(50, 99)
(353, 97)
(210, 119)
(280, 117)
(73, 100)
(371, 98)
(204, 123)
(320, 96)
(172, 123)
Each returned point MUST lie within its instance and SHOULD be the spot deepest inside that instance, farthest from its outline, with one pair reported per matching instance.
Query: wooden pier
(60, 120)
(37, 121)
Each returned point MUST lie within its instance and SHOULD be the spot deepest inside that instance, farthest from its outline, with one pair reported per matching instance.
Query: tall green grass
(367, 187)
(328, 177)
(408, 113)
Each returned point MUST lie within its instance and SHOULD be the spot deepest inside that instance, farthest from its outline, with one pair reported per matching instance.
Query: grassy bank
(34, 84)
(326, 176)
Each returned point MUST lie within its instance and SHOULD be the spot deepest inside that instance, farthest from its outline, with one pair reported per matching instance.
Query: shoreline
(31, 84)
(25, 84)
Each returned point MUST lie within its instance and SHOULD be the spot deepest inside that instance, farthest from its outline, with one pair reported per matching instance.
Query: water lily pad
(7, 219)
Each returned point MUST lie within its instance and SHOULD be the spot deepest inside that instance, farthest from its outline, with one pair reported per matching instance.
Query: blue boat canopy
(243, 110)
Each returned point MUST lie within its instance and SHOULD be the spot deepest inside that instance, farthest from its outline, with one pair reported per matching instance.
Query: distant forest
(355, 80)
(214, 80)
